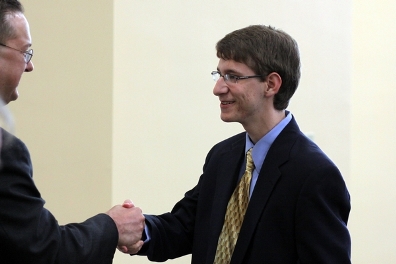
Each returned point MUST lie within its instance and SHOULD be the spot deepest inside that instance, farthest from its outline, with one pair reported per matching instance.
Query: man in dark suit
(28, 232)
(298, 203)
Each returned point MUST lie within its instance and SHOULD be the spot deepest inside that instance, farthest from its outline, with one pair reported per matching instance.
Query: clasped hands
(130, 224)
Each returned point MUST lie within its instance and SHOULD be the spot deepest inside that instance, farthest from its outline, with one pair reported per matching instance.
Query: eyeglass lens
(28, 55)
(215, 76)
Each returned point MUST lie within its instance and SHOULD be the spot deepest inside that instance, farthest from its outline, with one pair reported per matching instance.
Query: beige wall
(64, 113)
(120, 103)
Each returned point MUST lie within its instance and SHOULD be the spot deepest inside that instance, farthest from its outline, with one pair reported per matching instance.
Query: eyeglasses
(27, 55)
(230, 77)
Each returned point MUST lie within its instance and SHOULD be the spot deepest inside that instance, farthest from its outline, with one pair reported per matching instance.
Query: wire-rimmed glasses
(27, 55)
(230, 77)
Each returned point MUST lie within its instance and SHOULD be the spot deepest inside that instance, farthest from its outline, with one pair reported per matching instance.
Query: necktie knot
(249, 161)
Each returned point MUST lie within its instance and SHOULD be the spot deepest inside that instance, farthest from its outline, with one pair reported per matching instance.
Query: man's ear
(274, 82)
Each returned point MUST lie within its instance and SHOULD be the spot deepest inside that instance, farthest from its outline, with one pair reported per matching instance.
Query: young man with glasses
(297, 201)
(28, 232)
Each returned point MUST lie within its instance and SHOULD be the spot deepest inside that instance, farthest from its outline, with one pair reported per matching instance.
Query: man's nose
(29, 66)
(220, 87)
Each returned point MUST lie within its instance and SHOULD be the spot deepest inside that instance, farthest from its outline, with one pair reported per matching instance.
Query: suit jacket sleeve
(172, 233)
(29, 233)
(187, 228)
(321, 216)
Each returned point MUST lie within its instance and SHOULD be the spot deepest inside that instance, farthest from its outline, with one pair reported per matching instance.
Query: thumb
(128, 204)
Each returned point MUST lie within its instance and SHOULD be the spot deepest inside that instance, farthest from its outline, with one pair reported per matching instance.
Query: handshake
(130, 224)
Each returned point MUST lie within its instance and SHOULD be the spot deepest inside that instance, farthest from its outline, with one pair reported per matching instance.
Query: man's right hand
(130, 225)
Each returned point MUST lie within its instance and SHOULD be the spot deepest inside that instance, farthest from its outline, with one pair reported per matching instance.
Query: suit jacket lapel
(229, 164)
(277, 155)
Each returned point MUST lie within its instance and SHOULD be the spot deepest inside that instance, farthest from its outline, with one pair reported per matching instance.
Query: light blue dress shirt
(260, 149)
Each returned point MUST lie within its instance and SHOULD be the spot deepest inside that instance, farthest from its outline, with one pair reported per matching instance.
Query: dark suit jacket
(29, 233)
(298, 211)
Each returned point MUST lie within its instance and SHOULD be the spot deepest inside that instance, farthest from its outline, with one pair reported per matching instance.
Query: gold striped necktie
(235, 213)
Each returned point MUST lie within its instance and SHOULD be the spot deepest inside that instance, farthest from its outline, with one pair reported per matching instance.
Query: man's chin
(13, 96)
(7, 100)
(226, 119)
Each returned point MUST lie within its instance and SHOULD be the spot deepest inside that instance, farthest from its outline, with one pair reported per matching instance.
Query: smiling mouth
(226, 103)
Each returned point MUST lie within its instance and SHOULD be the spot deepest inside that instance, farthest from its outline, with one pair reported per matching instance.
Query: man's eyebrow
(27, 45)
(231, 71)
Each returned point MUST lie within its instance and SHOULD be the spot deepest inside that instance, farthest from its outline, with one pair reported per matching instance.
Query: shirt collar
(260, 149)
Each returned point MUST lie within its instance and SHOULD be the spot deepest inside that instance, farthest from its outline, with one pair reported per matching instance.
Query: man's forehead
(20, 27)
(232, 65)
(13, 14)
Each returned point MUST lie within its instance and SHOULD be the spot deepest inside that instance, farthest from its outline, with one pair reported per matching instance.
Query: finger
(123, 249)
(135, 248)
(128, 204)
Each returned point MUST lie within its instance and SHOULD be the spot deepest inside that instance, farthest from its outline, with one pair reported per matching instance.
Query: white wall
(165, 116)
(373, 155)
